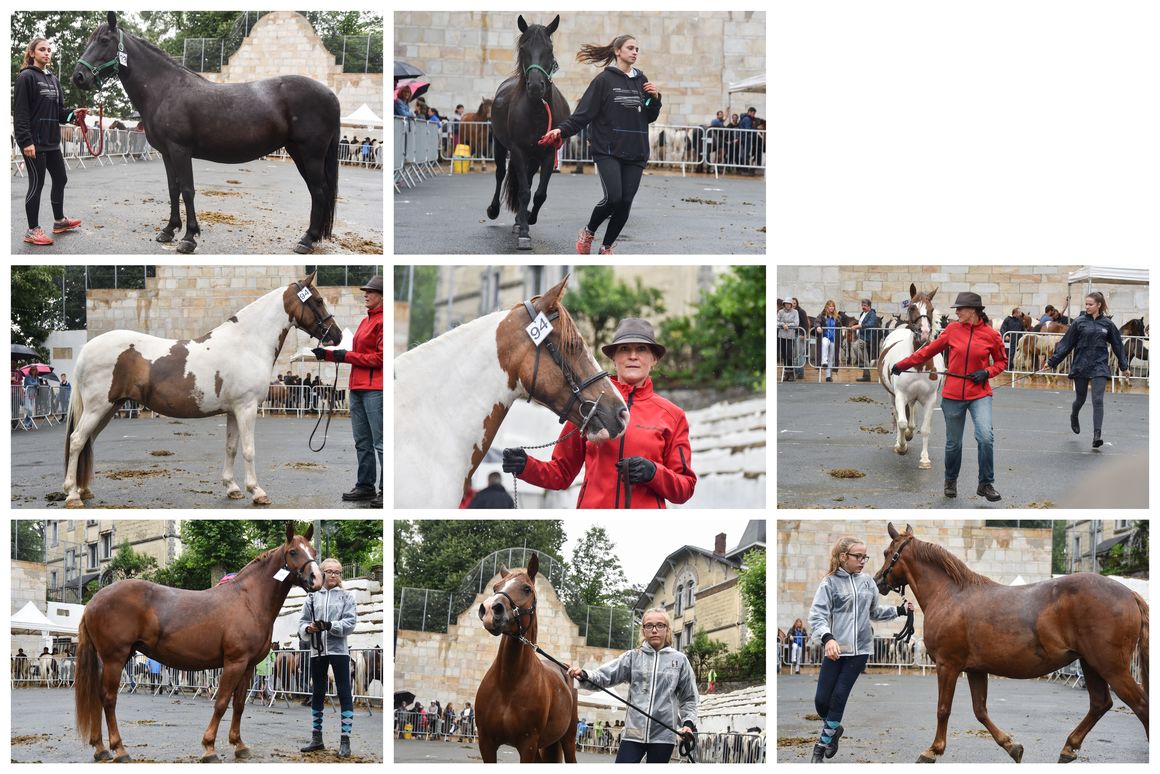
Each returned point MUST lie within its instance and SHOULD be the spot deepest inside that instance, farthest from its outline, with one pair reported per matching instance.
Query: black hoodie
(617, 112)
(38, 110)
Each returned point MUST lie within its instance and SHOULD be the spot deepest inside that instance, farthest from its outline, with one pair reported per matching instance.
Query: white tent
(755, 84)
(31, 619)
(364, 116)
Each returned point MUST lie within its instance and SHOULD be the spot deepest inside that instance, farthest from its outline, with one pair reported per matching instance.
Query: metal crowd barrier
(349, 153)
(732, 747)
(419, 143)
(735, 149)
(124, 144)
(1032, 349)
(848, 349)
(301, 400)
(412, 724)
(33, 406)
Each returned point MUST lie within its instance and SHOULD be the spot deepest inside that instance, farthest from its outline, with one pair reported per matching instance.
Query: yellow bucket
(461, 159)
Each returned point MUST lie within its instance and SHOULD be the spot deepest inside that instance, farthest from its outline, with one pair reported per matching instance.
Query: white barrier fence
(119, 144)
(416, 151)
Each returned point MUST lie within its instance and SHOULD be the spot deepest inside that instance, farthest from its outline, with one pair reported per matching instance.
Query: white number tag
(123, 58)
(281, 575)
(304, 295)
(539, 329)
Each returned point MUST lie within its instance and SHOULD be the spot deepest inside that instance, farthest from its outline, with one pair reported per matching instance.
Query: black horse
(187, 117)
(519, 117)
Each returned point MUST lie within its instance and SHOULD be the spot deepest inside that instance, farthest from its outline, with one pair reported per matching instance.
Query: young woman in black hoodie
(618, 106)
(37, 113)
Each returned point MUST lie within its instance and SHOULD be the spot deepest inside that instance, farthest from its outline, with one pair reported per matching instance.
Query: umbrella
(418, 88)
(36, 368)
(21, 352)
(406, 70)
(402, 698)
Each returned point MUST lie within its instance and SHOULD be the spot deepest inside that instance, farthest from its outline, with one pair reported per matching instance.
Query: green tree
(750, 660)
(437, 554)
(417, 284)
(28, 540)
(35, 305)
(723, 343)
(595, 576)
(602, 301)
(127, 563)
(703, 650)
(185, 572)
(1058, 547)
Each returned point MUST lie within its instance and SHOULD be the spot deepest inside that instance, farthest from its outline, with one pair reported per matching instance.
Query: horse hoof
(901, 450)
(302, 248)
(492, 213)
(263, 500)
(515, 228)
(243, 754)
(76, 503)
(924, 466)
(103, 755)
(87, 494)
(235, 494)
(186, 247)
(924, 758)
(164, 237)
(1067, 757)
(122, 758)
(524, 243)
(213, 758)
(1016, 753)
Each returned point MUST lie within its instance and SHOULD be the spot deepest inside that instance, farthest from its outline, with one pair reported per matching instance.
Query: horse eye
(527, 589)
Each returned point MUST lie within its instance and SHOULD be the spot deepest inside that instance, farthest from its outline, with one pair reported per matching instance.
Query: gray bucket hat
(634, 330)
(375, 285)
(969, 299)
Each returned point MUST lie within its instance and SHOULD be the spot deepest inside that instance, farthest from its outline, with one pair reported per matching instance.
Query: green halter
(547, 74)
(114, 62)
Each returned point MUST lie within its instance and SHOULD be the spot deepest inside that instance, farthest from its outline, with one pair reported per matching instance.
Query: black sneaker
(1097, 441)
(1075, 423)
(832, 747)
(988, 491)
(951, 488)
(377, 502)
(358, 494)
(819, 751)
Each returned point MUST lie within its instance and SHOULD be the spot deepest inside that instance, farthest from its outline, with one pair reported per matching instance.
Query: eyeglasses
(859, 557)
(654, 627)
(332, 572)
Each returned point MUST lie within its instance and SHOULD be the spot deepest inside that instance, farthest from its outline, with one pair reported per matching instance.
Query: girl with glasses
(328, 617)
(661, 679)
(844, 605)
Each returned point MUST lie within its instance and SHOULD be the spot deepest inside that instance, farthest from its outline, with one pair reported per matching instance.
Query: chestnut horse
(228, 626)
(975, 625)
(523, 701)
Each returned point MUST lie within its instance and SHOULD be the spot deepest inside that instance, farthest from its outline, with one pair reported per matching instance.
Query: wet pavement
(423, 751)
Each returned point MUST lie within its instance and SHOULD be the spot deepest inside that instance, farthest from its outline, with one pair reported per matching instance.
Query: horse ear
(309, 279)
(551, 299)
(289, 531)
(932, 294)
(504, 571)
(891, 531)
(112, 18)
(909, 531)
(913, 290)
(523, 25)
(533, 566)
(309, 533)
(555, 23)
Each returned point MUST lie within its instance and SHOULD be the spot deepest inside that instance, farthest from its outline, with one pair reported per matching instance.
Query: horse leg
(1132, 693)
(523, 180)
(901, 415)
(501, 154)
(547, 166)
(552, 753)
(314, 175)
(487, 747)
(978, 682)
(1099, 702)
(110, 684)
(183, 166)
(947, 676)
(174, 223)
(92, 421)
(231, 674)
(233, 491)
(241, 751)
(529, 748)
(927, 413)
(910, 419)
(247, 418)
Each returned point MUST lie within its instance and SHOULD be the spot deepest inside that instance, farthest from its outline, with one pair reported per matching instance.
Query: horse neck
(257, 580)
(515, 658)
(928, 582)
(141, 60)
(264, 322)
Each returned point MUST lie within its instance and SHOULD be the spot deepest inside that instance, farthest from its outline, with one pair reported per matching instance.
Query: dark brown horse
(228, 626)
(1134, 348)
(523, 701)
(975, 625)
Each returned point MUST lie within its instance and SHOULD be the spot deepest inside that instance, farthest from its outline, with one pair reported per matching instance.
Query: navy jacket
(38, 110)
(617, 112)
(1090, 339)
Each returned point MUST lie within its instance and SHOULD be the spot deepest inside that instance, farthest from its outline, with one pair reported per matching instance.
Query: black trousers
(52, 162)
(620, 180)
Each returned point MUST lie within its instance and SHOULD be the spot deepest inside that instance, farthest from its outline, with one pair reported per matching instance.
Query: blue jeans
(366, 419)
(835, 681)
(634, 752)
(955, 414)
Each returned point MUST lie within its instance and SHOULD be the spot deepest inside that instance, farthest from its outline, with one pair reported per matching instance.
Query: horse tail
(331, 172)
(511, 189)
(87, 685)
(85, 457)
(1143, 643)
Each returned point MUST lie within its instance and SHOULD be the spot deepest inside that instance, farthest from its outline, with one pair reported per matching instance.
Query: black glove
(637, 470)
(322, 625)
(978, 377)
(895, 370)
(319, 353)
(514, 461)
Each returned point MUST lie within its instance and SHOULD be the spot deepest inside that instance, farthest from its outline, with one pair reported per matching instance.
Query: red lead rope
(101, 129)
(544, 140)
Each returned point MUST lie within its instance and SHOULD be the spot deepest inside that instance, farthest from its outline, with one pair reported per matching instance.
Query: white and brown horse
(453, 392)
(921, 386)
(226, 371)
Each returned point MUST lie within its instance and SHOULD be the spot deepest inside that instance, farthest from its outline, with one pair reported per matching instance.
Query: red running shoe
(607, 249)
(584, 241)
(36, 236)
(64, 224)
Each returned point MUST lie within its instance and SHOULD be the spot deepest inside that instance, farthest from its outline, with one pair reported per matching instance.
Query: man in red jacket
(366, 395)
(975, 353)
(649, 464)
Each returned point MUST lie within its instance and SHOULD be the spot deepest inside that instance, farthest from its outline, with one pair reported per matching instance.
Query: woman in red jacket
(366, 395)
(975, 353)
(649, 464)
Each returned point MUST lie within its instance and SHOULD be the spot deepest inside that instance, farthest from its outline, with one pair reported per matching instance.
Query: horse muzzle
(493, 618)
(608, 424)
(83, 79)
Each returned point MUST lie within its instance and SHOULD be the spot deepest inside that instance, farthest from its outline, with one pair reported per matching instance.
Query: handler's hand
(895, 370)
(909, 606)
(651, 89)
(833, 650)
(30, 151)
(576, 673)
(514, 461)
(311, 628)
(552, 138)
(1126, 373)
(978, 377)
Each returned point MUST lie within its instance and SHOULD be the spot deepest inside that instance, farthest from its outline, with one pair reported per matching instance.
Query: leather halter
(569, 377)
(901, 587)
(320, 319)
(519, 613)
(300, 579)
(95, 70)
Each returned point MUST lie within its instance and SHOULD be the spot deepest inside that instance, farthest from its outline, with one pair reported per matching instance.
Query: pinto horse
(227, 626)
(912, 389)
(188, 117)
(527, 105)
(524, 701)
(975, 625)
(226, 371)
(453, 392)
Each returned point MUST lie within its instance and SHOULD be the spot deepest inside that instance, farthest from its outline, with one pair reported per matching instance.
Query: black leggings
(53, 162)
(620, 180)
(339, 666)
(1081, 388)
(634, 752)
(835, 681)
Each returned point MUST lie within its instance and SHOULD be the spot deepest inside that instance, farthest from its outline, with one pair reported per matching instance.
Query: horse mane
(164, 54)
(955, 568)
(571, 342)
(258, 559)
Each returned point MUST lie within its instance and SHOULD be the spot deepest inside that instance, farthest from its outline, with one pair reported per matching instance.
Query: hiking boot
(36, 236)
(988, 490)
(819, 752)
(832, 747)
(1075, 422)
(344, 746)
(865, 377)
(584, 241)
(64, 224)
(607, 249)
(315, 743)
(377, 502)
(951, 488)
(1097, 442)
(357, 494)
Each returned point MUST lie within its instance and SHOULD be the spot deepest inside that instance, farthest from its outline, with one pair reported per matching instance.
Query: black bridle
(569, 376)
(901, 587)
(519, 613)
(305, 295)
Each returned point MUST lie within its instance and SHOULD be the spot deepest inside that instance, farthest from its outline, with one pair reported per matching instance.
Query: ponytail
(590, 53)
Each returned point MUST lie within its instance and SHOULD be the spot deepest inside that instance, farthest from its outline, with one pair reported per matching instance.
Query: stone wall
(1002, 288)
(29, 584)
(717, 607)
(692, 57)
(803, 558)
(184, 302)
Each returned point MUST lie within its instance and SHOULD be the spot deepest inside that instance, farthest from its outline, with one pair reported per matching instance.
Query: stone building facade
(1003, 554)
(29, 584)
(184, 302)
(1002, 287)
(691, 56)
(1088, 540)
(77, 550)
(284, 43)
